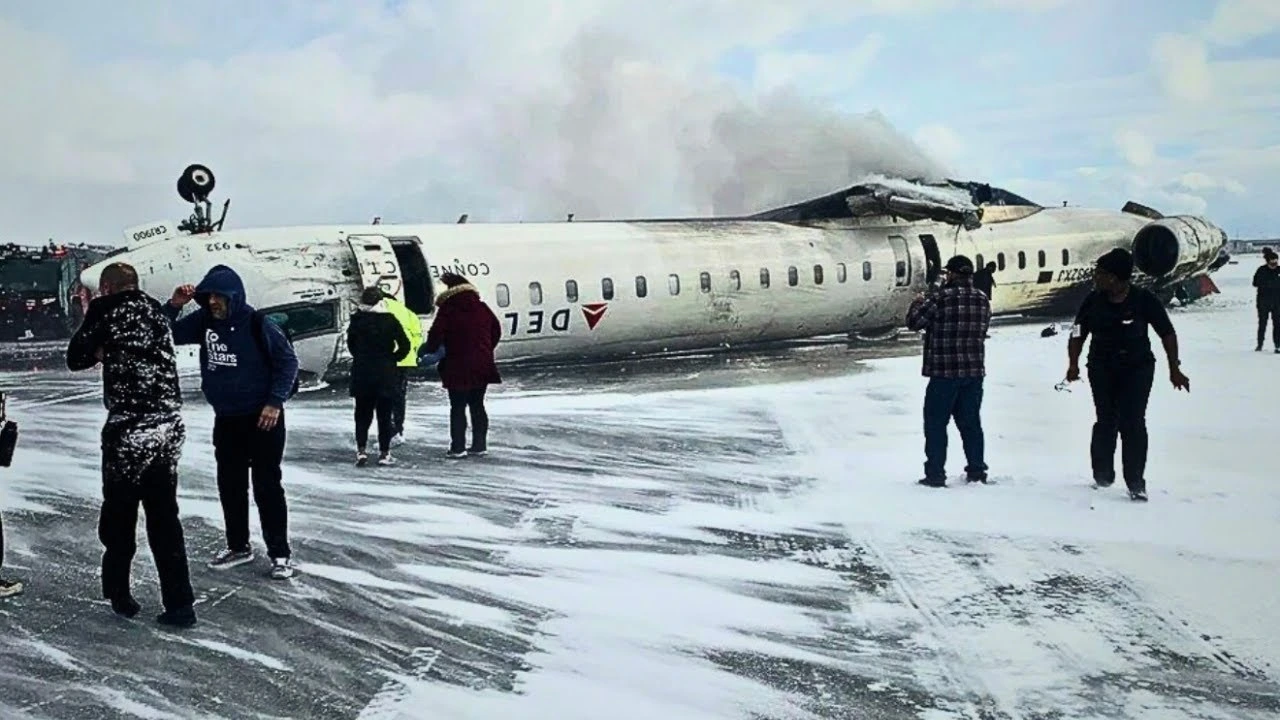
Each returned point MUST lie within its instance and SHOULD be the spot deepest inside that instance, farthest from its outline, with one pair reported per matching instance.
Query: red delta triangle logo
(594, 312)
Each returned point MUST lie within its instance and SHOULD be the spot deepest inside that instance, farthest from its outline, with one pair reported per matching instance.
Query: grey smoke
(617, 137)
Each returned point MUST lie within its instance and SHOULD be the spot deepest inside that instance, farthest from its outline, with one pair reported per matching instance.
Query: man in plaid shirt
(955, 320)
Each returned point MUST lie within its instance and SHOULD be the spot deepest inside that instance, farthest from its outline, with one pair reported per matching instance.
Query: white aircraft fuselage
(574, 291)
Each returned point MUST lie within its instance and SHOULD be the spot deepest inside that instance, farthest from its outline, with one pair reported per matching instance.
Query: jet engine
(1176, 243)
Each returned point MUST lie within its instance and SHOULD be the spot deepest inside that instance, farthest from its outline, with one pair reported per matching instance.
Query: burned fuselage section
(953, 202)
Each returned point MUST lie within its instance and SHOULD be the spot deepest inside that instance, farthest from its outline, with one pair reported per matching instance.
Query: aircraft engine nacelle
(1173, 243)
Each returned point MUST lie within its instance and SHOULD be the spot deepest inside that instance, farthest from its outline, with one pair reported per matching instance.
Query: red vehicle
(41, 297)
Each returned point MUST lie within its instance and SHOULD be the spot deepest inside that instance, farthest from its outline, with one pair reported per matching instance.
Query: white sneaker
(10, 588)
(282, 568)
(397, 440)
(362, 457)
(386, 460)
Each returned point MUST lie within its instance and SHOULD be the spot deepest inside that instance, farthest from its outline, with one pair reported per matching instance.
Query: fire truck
(41, 297)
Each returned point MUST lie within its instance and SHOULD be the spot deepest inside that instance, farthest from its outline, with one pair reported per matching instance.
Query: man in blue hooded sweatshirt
(247, 380)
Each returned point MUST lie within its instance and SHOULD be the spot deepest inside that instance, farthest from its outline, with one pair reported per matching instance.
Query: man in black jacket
(1121, 367)
(141, 440)
(1267, 280)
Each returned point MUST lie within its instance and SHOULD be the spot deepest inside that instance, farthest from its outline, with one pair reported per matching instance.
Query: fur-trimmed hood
(452, 292)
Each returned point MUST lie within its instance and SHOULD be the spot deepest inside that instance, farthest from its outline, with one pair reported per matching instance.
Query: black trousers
(156, 490)
(460, 401)
(397, 408)
(1266, 312)
(1, 542)
(239, 447)
(1120, 395)
(367, 406)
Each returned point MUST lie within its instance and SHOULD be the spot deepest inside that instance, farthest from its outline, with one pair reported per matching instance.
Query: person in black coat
(377, 343)
(1267, 280)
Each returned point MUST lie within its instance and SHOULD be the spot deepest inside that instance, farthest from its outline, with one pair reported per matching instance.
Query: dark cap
(961, 265)
(453, 280)
(371, 296)
(1118, 262)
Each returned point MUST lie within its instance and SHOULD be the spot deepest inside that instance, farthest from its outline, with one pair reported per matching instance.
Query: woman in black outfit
(377, 342)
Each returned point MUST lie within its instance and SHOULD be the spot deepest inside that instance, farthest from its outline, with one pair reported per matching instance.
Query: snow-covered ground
(701, 546)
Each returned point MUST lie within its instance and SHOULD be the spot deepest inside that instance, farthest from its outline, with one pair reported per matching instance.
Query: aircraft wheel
(196, 183)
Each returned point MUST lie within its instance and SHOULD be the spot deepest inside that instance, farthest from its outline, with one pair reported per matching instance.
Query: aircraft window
(1066, 258)
(735, 279)
(978, 264)
(571, 290)
(673, 284)
(793, 276)
(504, 295)
(606, 288)
(642, 286)
(705, 280)
(1040, 257)
(866, 270)
(764, 277)
(1000, 261)
(303, 320)
(1022, 260)
(535, 293)
(842, 273)
(817, 274)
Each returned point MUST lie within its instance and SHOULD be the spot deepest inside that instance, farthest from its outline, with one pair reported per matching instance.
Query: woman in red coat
(469, 331)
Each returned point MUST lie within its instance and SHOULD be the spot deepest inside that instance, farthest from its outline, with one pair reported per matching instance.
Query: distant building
(1236, 247)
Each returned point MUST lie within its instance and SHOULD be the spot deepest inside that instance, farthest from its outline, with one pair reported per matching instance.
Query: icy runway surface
(704, 546)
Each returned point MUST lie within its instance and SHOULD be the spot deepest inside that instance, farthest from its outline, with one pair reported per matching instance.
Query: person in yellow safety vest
(412, 328)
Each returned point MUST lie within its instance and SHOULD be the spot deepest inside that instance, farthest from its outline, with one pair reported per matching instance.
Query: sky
(324, 111)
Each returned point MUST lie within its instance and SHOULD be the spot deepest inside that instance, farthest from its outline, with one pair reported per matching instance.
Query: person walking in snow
(142, 440)
(377, 342)
(412, 325)
(985, 280)
(1267, 280)
(470, 330)
(248, 369)
(955, 319)
(1121, 367)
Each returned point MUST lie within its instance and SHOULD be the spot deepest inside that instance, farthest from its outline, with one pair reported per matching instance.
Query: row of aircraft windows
(673, 283)
(735, 279)
(1041, 258)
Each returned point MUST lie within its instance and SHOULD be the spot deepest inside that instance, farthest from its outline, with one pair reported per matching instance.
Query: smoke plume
(617, 136)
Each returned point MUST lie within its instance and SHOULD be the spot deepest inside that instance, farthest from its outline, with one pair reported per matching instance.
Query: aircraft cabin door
(376, 259)
(902, 261)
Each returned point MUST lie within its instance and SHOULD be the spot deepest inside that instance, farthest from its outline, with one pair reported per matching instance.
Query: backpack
(260, 340)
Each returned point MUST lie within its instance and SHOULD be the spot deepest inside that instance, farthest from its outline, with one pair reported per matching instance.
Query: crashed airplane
(846, 263)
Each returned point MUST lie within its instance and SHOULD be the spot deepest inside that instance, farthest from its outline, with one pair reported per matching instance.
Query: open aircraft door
(378, 265)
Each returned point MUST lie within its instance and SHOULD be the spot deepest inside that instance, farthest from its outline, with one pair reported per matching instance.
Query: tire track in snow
(914, 578)
(1043, 628)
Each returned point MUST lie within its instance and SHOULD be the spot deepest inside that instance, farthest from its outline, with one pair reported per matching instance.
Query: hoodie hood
(460, 292)
(222, 280)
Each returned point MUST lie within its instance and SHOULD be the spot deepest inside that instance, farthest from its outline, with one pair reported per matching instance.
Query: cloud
(420, 111)
(1136, 148)
(1182, 63)
(1235, 22)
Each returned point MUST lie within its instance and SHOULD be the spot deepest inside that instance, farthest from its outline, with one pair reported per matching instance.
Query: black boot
(178, 617)
(125, 606)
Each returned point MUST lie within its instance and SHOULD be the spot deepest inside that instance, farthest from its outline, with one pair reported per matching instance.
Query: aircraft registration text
(1075, 274)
